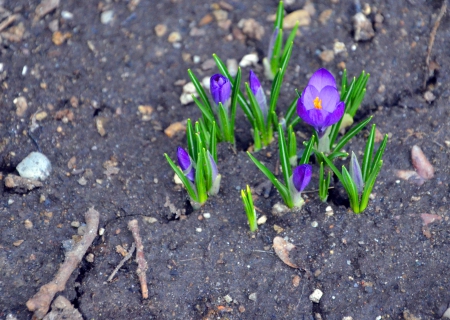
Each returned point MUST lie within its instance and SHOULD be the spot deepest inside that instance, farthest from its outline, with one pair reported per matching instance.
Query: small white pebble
(316, 295)
(353, 47)
(101, 231)
(198, 229)
(207, 215)
(314, 224)
(10, 201)
(75, 224)
(66, 15)
(329, 208)
(155, 180)
(261, 220)
(196, 59)
(228, 299)
(397, 181)
(24, 70)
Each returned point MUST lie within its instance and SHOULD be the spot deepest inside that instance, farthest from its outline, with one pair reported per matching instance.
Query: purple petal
(355, 173)
(309, 94)
(336, 115)
(322, 78)
(254, 83)
(220, 88)
(330, 98)
(301, 176)
(214, 169)
(185, 163)
(314, 117)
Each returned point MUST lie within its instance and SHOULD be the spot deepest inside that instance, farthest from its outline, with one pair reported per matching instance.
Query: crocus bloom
(355, 173)
(320, 104)
(258, 91)
(185, 163)
(215, 176)
(220, 88)
(301, 176)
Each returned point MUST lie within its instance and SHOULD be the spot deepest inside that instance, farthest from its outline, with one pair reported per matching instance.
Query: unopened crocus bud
(258, 91)
(301, 176)
(220, 88)
(185, 163)
(355, 173)
(215, 176)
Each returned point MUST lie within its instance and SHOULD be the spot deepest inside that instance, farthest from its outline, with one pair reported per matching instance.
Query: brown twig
(433, 37)
(140, 258)
(40, 302)
(125, 259)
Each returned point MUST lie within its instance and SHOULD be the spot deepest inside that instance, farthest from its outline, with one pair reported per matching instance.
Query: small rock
(173, 128)
(228, 299)
(208, 18)
(35, 166)
(10, 201)
(302, 16)
(207, 215)
(28, 224)
(362, 27)
(188, 91)
(174, 37)
(407, 315)
(232, 66)
(339, 47)
(160, 30)
(277, 228)
(53, 25)
(316, 295)
(146, 112)
(46, 6)
(446, 314)
(59, 38)
(41, 116)
(196, 32)
(252, 296)
(314, 224)
(100, 124)
(325, 16)
(82, 181)
(251, 28)
(327, 56)
(249, 60)
(63, 309)
(198, 230)
(66, 15)
(208, 64)
(296, 281)
(220, 15)
(21, 106)
(101, 231)
(106, 16)
(261, 220)
(18, 243)
(347, 318)
(429, 96)
(279, 209)
(90, 258)
(149, 220)
(177, 179)
(329, 211)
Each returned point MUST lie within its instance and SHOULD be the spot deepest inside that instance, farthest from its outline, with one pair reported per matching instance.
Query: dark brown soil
(377, 264)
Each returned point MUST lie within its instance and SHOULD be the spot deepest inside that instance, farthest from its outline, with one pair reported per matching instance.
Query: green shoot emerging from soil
(249, 208)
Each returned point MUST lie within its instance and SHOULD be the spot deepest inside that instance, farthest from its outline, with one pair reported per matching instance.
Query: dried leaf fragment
(282, 249)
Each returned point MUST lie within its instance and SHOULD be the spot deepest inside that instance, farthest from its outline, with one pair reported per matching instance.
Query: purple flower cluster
(320, 104)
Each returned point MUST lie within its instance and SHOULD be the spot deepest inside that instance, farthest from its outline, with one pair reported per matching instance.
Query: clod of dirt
(62, 309)
(21, 106)
(362, 27)
(173, 128)
(21, 185)
(46, 6)
(421, 163)
(251, 28)
(35, 166)
(282, 249)
(407, 315)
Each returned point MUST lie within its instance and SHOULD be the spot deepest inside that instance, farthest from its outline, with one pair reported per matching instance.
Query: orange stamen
(317, 103)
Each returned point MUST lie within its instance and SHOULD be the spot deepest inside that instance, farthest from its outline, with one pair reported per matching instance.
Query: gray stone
(35, 166)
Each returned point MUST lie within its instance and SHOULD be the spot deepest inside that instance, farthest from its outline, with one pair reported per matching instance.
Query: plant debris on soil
(95, 86)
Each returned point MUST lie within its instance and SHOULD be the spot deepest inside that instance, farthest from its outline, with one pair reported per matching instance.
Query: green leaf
(291, 111)
(242, 102)
(190, 137)
(213, 142)
(292, 143)
(224, 123)
(296, 121)
(186, 182)
(352, 190)
(332, 167)
(200, 179)
(256, 140)
(284, 156)
(282, 189)
(369, 185)
(279, 16)
(199, 88)
(291, 37)
(276, 51)
(234, 99)
(206, 112)
(350, 134)
(368, 152)
(335, 155)
(379, 153)
(249, 208)
(307, 153)
(256, 110)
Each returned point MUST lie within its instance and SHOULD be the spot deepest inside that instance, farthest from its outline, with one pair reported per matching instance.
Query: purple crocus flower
(320, 104)
(220, 88)
(185, 163)
(355, 173)
(258, 91)
(301, 176)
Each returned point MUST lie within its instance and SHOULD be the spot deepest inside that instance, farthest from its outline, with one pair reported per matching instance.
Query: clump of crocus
(295, 180)
(250, 211)
(222, 111)
(274, 60)
(197, 168)
(359, 182)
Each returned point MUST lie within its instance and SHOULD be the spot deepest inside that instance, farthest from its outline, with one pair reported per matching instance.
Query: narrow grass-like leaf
(368, 152)
(241, 99)
(213, 142)
(186, 182)
(296, 121)
(284, 156)
(333, 167)
(282, 189)
(292, 143)
(291, 111)
(256, 140)
(249, 208)
(206, 112)
(286, 57)
(200, 179)
(224, 123)
(190, 137)
(379, 153)
(203, 134)
(207, 169)
(308, 148)
(344, 84)
(352, 190)
(350, 134)
(291, 37)
(369, 185)
(279, 16)
(234, 99)
(198, 86)
(335, 155)
(276, 51)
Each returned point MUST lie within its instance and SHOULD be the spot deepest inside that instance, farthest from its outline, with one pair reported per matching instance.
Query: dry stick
(40, 302)
(125, 259)
(433, 36)
(140, 258)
